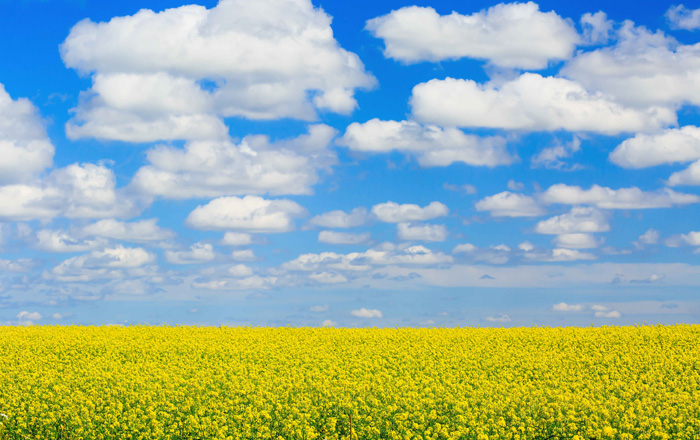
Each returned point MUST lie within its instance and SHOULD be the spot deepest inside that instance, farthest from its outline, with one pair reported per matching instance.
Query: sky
(349, 164)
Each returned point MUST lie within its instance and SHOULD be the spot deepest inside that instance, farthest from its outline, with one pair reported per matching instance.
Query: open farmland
(305, 383)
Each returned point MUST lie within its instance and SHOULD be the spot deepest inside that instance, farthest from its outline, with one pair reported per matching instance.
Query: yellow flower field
(309, 383)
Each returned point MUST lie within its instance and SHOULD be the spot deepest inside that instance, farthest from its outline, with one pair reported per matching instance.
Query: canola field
(145, 382)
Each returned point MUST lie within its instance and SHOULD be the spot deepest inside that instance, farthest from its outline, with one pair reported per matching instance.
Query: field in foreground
(303, 383)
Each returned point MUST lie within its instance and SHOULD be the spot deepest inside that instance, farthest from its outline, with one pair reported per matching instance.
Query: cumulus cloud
(597, 29)
(332, 237)
(392, 212)
(328, 323)
(243, 255)
(564, 307)
(669, 146)
(531, 102)
(508, 204)
(28, 316)
(24, 146)
(605, 312)
(643, 68)
(76, 191)
(148, 69)
(651, 236)
(367, 313)
(580, 219)
(623, 198)
(240, 270)
(61, 241)
(680, 17)
(320, 309)
(382, 255)
(499, 318)
(692, 238)
(576, 241)
(142, 231)
(552, 158)
(103, 264)
(237, 239)
(250, 213)
(511, 35)
(341, 219)
(254, 166)
(198, 253)
(413, 232)
(328, 278)
(432, 145)
(688, 176)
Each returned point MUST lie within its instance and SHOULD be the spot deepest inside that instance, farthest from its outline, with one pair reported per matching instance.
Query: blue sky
(286, 162)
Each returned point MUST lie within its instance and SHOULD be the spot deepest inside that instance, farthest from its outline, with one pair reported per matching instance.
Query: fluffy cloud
(240, 270)
(411, 232)
(691, 238)
(243, 255)
(76, 191)
(328, 278)
(29, 316)
(670, 146)
(597, 29)
(391, 212)
(605, 312)
(332, 237)
(508, 204)
(579, 219)
(642, 69)
(367, 313)
(623, 198)
(564, 307)
(530, 102)
(552, 157)
(513, 35)
(433, 146)
(250, 213)
(651, 236)
(198, 253)
(680, 17)
(105, 264)
(254, 166)
(688, 176)
(139, 231)
(62, 241)
(341, 219)
(576, 241)
(148, 69)
(24, 147)
(237, 239)
(499, 318)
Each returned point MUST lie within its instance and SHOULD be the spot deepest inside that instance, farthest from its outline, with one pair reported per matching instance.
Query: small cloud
(500, 318)
(486, 277)
(610, 314)
(466, 188)
(61, 315)
(564, 307)
(28, 316)
(328, 323)
(655, 277)
(515, 186)
(367, 313)
(320, 309)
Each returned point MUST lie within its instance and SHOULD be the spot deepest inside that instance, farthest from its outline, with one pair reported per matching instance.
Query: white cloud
(139, 231)
(328, 323)
(689, 176)
(391, 212)
(651, 236)
(515, 186)
(597, 29)
(579, 219)
(552, 157)
(237, 239)
(680, 17)
(60, 315)
(642, 69)
(605, 312)
(332, 237)
(464, 248)
(564, 307)
(243, 255)
(264, 60)
(692, 238)
(254, 166)
(76, 191)
(513, 35)
(320, 309)
(499, 318)
(432, 145)
(576, 241)
(560, 254)
(669, 146)
(466, 188)
(508, 204)
(530, 102)
(24, 146)
(240, 270)
(250, 213)
(367, 313)
(526, 246)
(62, 241)
(28, 316)
(409, 232)
(341, 219)
(198, 253)
(328, 278)
(105, 264)
(120, 256)
(623, 198)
